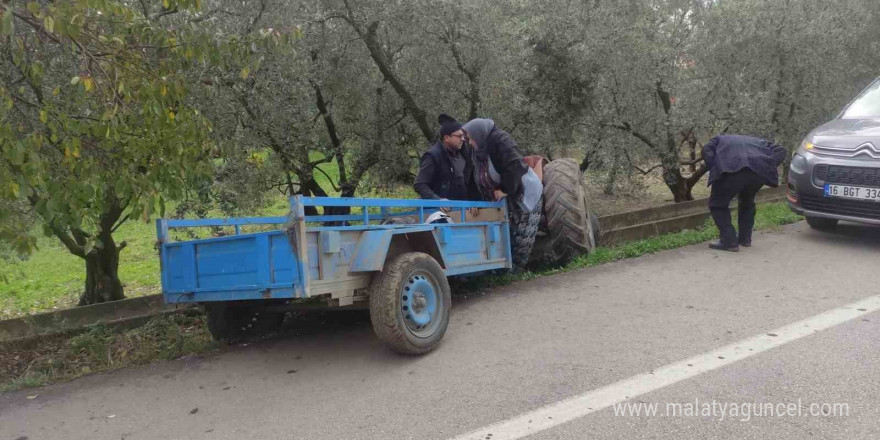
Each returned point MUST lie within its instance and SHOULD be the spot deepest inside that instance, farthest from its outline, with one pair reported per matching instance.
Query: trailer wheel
(234, 320)
(409, 303)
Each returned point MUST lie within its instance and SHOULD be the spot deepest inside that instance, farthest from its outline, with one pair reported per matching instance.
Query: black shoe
(749, 244)
(719, 246)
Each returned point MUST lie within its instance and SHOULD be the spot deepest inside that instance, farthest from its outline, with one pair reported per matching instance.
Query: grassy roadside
(769, 216)
(63, 357)
(168, 337)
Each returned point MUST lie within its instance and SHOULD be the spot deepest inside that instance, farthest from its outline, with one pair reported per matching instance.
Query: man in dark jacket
(445, 170)
(738, 167)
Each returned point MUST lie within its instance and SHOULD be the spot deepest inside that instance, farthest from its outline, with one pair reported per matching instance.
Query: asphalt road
(518, 349)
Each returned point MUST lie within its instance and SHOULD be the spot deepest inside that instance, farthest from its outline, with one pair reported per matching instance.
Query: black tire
(234, 320)
(571, 229)
(410, 302)
(822, 223)
(523, 229)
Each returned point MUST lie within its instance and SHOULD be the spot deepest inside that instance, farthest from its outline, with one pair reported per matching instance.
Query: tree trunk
(678, 185)
(385, 65)
(102, 263)
(102, 279)
(611, 179)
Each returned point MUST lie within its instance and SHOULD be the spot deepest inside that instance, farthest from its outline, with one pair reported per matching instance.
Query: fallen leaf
(32, 397)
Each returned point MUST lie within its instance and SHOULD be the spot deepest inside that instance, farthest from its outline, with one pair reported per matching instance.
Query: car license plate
(852, 192)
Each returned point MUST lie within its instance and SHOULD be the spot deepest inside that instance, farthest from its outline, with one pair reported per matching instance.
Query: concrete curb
(616, 228)
(651, 222)
(112, 313)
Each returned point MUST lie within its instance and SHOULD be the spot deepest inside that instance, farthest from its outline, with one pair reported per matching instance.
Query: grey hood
(849, 138)
(478, 130)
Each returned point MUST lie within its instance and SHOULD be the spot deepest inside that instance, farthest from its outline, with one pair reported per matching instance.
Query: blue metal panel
(391, 203)
(229, 263)
(181, 268)
(256, 261)
(341, 218)
(464, 240)
(369, 255)
(473, 268)
(444, 235)
(232, 295)
(401, 228)
(186, 223)
(495, 244)
(161, 230)
(263, 260)
(283, 260)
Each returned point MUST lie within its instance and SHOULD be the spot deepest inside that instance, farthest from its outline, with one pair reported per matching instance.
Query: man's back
(730, 153)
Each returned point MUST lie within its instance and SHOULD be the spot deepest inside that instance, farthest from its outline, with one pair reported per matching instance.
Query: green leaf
(49, 24)
(245, 72)
(33, 7)
(44, 116)
(7, 27)
(74, 81)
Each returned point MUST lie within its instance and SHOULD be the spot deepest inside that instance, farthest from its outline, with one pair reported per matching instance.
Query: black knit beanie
(448, 125)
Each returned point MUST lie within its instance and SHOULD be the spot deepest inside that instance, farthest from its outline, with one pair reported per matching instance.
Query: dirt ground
(632, 194)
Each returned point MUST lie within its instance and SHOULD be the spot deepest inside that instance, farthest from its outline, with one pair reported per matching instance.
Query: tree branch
(211, 13)
(68, 241)
(124, 219)
(625, 126)
(634, 166)
(329, 179)
(163, 13)
(253, 24)
(692, 162)
(698, 174)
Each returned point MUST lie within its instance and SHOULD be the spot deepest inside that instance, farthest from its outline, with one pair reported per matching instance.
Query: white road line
(567, 410)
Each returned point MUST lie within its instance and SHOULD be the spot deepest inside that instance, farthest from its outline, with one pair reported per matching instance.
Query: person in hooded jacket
(499, 171)
(498, 167)
(738, 167)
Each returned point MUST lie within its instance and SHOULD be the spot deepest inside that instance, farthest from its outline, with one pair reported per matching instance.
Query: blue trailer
(383, 254)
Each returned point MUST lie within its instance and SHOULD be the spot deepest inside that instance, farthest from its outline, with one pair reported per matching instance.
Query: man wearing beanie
(443, 167)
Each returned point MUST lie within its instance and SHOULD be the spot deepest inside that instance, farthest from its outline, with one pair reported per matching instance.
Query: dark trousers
(743, 184)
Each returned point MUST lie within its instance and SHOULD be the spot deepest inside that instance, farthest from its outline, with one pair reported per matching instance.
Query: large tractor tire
(523, 230)
(410, 301)
(571, 229)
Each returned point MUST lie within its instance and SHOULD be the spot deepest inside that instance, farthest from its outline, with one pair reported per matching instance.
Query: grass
(769, 216)
(52, 277)
(99, 349)
(64, 357)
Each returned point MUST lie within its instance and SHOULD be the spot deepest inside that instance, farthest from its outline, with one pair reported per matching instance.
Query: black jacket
(507, 160)
(437, 180)
(730, 153)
